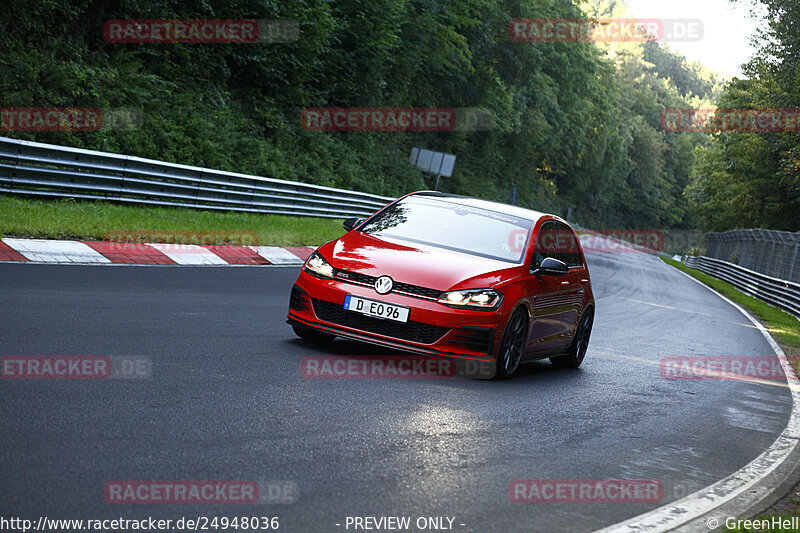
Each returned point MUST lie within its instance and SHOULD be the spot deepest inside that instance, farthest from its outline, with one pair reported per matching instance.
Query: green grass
(783, 326)
(89, 220)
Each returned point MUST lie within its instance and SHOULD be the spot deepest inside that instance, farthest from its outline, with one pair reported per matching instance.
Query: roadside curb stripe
(7, 253)
(56, 251)
(741, 493)
(70, 252)
(238, 255)
(189, 254)
(300, 251)
(277, 255)
(132, 253)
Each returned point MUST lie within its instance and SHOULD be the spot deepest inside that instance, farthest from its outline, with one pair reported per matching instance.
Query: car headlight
(482, 299)
(317, 266)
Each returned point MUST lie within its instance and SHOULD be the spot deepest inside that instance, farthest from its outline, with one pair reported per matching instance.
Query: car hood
(417, 264)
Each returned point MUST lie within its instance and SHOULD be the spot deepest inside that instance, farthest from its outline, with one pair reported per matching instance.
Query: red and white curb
(47, 251)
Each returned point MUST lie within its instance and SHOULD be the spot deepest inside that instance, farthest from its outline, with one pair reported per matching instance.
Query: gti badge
(383, 285)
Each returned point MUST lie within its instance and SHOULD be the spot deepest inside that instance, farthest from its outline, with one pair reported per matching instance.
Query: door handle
(564, 283)
(584, 281)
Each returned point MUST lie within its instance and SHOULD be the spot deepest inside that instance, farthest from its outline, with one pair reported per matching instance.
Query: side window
(545, 245)
(568, 246)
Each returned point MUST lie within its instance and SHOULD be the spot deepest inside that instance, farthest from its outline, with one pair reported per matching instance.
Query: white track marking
(46, 251)
(681, 512)
(189, 254)
(277, 255)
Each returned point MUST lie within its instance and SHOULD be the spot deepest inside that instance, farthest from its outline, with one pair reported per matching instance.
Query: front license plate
(376, 309)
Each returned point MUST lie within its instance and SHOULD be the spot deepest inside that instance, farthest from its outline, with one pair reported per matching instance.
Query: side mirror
(351, 223)
(551, 267)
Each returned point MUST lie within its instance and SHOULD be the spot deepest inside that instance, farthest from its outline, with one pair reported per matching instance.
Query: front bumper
(432, 328)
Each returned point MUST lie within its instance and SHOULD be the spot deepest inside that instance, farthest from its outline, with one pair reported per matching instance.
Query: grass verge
(786, 330)
(97, 220)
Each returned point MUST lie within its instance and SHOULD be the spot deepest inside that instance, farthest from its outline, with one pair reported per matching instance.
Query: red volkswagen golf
(451, 276)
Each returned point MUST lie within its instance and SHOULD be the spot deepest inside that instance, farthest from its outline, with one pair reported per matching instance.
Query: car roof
(485, 204)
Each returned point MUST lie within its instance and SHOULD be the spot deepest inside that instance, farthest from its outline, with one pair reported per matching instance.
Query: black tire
(577, 349)
(313, 335)
(514, 339)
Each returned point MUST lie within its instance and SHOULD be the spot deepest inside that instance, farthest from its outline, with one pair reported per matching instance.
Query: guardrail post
(123, 175)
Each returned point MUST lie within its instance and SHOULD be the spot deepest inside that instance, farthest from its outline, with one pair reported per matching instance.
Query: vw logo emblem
(383, 285)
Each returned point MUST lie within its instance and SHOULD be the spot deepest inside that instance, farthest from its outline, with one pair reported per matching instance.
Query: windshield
(455, 227)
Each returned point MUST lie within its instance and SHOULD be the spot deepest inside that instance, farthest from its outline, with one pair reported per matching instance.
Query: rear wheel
(513, 344)
(313, 335)
(580, 343)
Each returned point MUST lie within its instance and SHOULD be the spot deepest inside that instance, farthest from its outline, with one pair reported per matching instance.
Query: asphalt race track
(226, 401)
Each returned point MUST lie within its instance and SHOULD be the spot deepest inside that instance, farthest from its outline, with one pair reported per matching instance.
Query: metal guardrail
(778, 292)
(771, 252)
(49, 170)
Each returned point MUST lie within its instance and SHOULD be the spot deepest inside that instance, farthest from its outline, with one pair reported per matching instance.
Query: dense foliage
(750, 179)
(576, 124)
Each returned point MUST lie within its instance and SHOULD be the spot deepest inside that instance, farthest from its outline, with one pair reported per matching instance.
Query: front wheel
(513, 344)
(313, 335)
(577, 350)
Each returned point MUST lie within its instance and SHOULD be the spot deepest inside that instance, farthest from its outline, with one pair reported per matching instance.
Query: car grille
(410, 331)
(414, 290)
